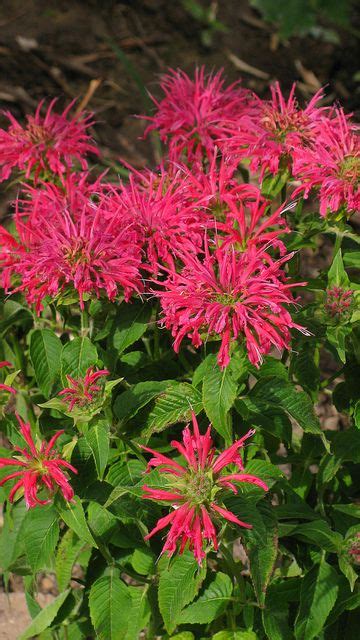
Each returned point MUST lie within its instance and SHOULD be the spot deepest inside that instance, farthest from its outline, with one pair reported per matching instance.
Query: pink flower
(5, 387)
(194, 114)
(67, 242)
(276, 129)
(339, 303)
(83, 391)
(51, 143)
(41, 468)
(195, 490)
(161, 210)
(332, 164)
(232, 296)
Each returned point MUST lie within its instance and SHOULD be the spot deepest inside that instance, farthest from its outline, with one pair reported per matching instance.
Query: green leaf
(46, 616)
(98, 439)
(235, 635)
(102, 523)
(130, 324)
(296, 403)
(317, 597)
(13, 313)
(211, 603)
(262, 559)
(140, 613)
(218, 396)
(41, 536)
(275, 615)
(143, 561)
(74, 516)
(352, 509)
(12, 535)
(318, 532)
(175, 404)
(45, 351)
(337, 276)
(76, 357)
(110, 606)
(178, 585)
(68, 550)
(128, 404)
(348, 570)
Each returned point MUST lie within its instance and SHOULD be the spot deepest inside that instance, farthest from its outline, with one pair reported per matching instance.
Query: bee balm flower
(41, 468)
(232, 296)
(83, 391)
(195, 490)
(50, 143)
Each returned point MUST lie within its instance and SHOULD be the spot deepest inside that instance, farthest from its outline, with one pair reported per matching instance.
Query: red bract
(332, 164)
(50, 143)
(40, 469)
(195, 490)
(232, 296)
(83, 391)
(339, 303)
(67, 240)
(273, 133)
(166, 220)
(194, 114)
(6, 387)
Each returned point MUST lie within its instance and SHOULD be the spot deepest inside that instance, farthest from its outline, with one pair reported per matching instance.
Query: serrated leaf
(262, 559)
(211, 603)
(318, 532)
(218, 396)
(128, 404)
(130, 324)
(41, 536)
(140, 613)
(178, 585)
(317, 597)
(74, 516)
(45, 351)
(348, 570)
(46, 616)
(175, 404)
(76, 357)
(102, 523)
(296, 403)
(98, 439)
(68, 550)
(337, 276)
(110, 606)
(12, 536)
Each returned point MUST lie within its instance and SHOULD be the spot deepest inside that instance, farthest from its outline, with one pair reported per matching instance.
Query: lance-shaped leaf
(317, 597)
(110, 606)
(211, 603)
(45, 352)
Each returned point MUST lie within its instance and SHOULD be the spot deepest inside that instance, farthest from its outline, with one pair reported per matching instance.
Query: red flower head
(194, 114)
(230, 295)
(51, 143)
(163, 214)
(195, 490)
(40, 469)
(332, 164)
(339, 303)
(67, 241)
(83, 391)
(5, 387)
(276, 130)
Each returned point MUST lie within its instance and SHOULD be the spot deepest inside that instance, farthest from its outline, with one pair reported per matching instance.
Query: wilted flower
(5, 387)
(83, 391)
(332, 164)
(50, 143)
(195, 490)
(194, 114)
(65, 240)
(41, 468)
(230, 295)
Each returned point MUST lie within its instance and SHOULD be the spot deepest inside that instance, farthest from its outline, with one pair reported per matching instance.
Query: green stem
(84, 322)
(338, 241)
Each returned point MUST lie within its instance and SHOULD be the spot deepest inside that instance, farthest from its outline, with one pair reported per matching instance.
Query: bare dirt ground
(64, 49)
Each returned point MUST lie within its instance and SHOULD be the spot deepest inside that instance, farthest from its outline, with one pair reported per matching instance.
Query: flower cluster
(195, 490)
(83, 391)
(339, 303)
(41, 470)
